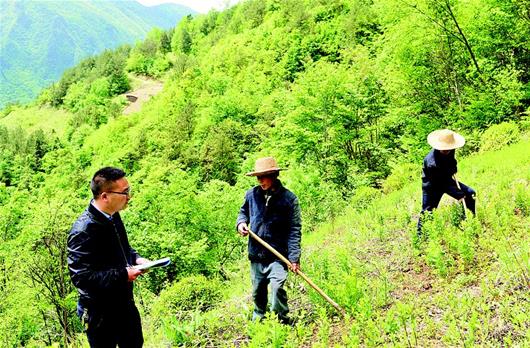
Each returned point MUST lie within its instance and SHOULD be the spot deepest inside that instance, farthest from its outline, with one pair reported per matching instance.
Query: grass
(32, 118)
(465, 284)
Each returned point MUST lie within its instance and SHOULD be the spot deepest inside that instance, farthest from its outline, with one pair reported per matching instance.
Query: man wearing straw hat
(274, 215)
(439, 173)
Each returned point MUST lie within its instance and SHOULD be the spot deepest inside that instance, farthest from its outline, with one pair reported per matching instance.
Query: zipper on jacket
(121, 246)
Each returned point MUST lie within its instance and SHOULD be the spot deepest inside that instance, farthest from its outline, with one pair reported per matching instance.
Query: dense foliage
(40, 39)
(342, 93)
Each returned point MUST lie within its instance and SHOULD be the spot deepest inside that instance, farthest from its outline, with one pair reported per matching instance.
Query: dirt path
(147, 89)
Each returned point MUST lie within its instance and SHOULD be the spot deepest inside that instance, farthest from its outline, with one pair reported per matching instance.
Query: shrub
(364, 196)
(75, 96)
(524, 124)
(269, 333)
(522, 200)
(159, 66)
(402, 174)
(473, 142)
(189, 294)
(451, 239)
(176, 311)
(180, 332)
(138, 63)
(499, 135)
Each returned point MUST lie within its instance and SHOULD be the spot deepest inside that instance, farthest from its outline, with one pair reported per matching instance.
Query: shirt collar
(102, 212)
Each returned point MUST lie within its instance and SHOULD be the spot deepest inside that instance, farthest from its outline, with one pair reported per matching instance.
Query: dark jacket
(438, 170)
(278, 222)
(98, 254)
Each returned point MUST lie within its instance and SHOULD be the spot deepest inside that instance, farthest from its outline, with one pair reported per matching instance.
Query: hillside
(56, 121)
(465, 284)
(343, 94)
(31, 119)
(39, 40)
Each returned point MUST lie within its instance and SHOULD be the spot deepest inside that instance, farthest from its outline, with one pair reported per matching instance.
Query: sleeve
(243, 215)
(134, 255)
(295, 233)
(427, 170)
(80, 265)
(428, 173)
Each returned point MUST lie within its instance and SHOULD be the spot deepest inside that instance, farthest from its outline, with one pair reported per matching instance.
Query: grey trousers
(261, 275)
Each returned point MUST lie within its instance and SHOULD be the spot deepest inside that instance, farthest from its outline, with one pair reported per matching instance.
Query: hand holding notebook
(156, 263)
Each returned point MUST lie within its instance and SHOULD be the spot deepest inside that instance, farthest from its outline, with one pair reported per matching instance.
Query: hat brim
(265, 172)
(435, 142)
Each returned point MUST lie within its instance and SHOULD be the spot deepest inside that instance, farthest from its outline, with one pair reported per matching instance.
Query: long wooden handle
(464, 200)
(300, 273)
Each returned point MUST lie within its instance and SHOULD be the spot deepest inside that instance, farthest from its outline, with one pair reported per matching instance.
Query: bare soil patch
(147, 89)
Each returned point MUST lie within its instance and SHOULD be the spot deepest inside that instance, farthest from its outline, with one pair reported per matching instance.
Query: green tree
(182, 39)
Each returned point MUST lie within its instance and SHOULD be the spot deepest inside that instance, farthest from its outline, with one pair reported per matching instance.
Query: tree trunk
(464, 39)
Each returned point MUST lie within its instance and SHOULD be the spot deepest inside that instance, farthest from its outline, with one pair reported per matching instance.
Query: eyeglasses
(127, 192)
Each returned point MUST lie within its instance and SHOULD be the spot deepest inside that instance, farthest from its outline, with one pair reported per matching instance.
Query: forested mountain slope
(343, 94)
(39, 40)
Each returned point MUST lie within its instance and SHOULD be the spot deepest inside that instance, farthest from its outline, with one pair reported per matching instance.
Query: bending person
(439, 168)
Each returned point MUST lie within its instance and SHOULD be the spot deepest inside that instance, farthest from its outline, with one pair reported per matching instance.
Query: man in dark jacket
(100, 261)
(274, 215)
(439, 168)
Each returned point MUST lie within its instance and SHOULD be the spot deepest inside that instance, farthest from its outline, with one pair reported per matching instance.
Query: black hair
(104, 179)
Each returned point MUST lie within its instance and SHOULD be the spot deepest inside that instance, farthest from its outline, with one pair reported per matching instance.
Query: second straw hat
(445, 139)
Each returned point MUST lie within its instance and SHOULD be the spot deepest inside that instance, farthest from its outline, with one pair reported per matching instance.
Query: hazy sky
(202, 6)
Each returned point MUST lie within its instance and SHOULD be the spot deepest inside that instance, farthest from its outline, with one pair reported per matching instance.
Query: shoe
(287, 321)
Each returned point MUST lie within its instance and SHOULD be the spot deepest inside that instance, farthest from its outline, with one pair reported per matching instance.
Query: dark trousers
(263, 274)
(432, 197)
(121, 327)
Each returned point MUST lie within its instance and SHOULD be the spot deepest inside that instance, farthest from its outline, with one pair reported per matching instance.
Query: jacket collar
(99, 215)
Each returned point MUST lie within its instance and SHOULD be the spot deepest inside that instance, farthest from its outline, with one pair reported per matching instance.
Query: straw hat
(264, 166)
(445, 139)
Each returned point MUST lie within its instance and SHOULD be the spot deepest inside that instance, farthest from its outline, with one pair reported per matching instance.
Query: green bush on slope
(497, 136)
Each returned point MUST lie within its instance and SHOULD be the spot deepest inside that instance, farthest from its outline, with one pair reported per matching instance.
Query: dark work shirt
(275, 217)
(438, 169)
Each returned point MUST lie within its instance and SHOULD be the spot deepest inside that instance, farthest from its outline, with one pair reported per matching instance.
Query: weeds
(463, 282)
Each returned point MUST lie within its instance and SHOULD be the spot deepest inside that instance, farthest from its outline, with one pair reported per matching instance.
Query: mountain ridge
(39, 40)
